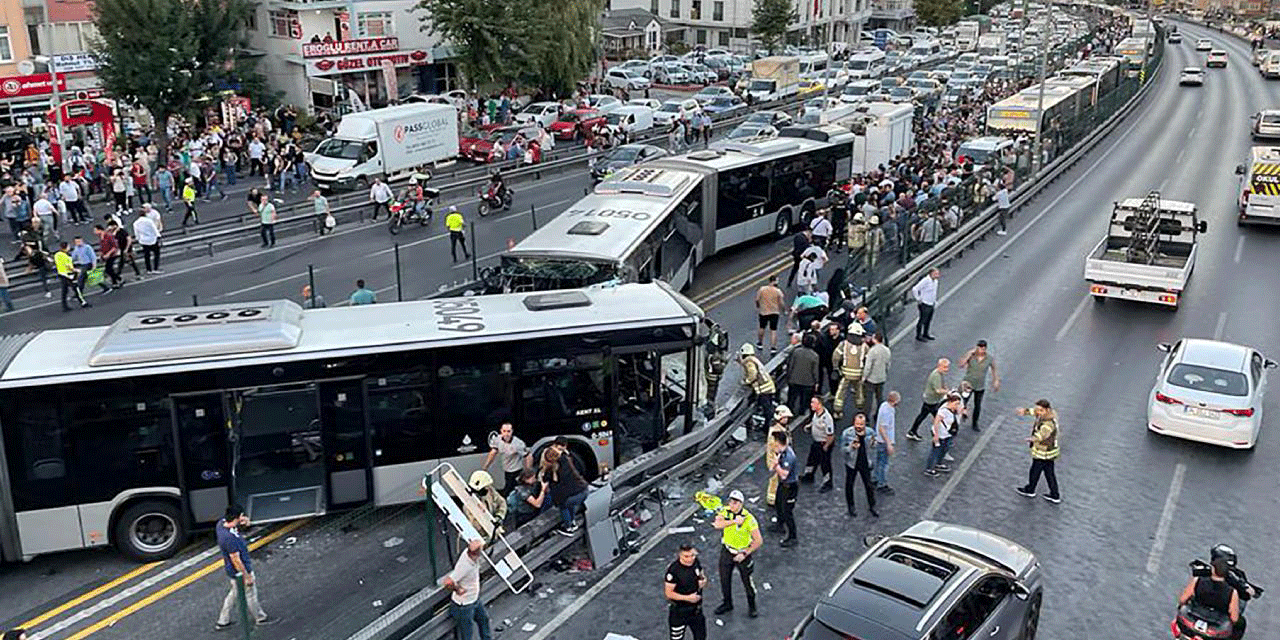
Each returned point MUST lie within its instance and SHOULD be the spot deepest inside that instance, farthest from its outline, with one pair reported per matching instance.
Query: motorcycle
(492, 199)
(405, 212)
(1198, 622)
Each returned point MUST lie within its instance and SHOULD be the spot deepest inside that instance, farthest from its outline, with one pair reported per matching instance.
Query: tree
(166, 55)
(938, 13)
(770, 20)
(568, 44)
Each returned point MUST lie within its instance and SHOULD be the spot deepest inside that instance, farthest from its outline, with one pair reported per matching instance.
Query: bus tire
(149, 530)
(782, 225)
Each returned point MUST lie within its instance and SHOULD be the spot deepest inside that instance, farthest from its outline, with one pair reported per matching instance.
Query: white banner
(72, 62)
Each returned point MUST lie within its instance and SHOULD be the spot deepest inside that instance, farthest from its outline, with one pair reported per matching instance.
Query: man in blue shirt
(788, 487)
(362, 294)
(85, 260)
(236, 562)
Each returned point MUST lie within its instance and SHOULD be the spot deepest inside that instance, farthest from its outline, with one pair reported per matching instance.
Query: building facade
(726, 24)
(898, 15)
(36, 38)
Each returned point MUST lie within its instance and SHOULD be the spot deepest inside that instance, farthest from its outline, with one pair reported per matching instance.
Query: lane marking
(777, 270)
(263, 285)
(176, 586)
(1071, 320)
(910, 326)
(1222, 326)
(32, 623)
(1166, 520)
(1181, 153)
(479, 259)
(1163, 183)
(965, 465)
(1239, 248)
(1192, 132)
(744, 281)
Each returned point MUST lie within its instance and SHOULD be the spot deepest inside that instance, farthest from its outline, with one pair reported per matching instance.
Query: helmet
(480, 479)
(413, 179)
(1223, 552)
(747, 350)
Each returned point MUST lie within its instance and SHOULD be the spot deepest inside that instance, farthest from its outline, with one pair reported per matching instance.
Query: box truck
(883, 132)
(774, 78)
(390, 143)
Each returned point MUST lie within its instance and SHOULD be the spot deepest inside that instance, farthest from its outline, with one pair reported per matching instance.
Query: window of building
(701, 36)
(724, 38)
(717, 11)
(377, 24)
(251, 20)
(675, 8)
(695, 10)
(6, 51)
(653, 7)
(281, 23)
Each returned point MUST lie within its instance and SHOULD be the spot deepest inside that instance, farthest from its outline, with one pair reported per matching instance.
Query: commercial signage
(372, 62)
(36, 84)
(72, 62)
(348, 47)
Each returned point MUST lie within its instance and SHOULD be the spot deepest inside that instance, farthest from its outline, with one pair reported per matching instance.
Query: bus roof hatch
(193, 332)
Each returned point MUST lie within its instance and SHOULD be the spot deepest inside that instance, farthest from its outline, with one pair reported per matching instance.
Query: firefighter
(848, 359)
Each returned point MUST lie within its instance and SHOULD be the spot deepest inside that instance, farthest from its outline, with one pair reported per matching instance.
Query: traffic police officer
(739, 539)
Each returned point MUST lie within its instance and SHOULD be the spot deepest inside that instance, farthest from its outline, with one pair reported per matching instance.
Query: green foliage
(769, 21)
(546, 44)
(939, 13)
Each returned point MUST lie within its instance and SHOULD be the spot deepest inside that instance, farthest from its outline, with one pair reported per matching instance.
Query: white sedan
(1209, 391)
(1204, 44)
(1191, 76)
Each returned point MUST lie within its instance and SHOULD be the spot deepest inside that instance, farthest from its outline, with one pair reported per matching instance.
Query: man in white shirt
(380, 195)
(514, 453)
(926, 294)
(943, 422)
(70, 192)
(1002, 208)
(466, 607)
(256, 151)
(147, 235)
(47, 213)
(820, 226)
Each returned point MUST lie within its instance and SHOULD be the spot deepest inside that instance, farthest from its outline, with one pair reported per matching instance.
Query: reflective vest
(738, 536)
(755, 375)
(1044, 439)
(849, 356)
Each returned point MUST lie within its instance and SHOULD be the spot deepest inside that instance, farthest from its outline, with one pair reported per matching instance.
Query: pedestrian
(863, 317)
(465, 606)
(141, 182)
(808, 308)
(976, 363)
(926, 295)
(740, 538)
(109, 252)
(125, 241)
(811, 264)
(189, 194)
(799, 243)
(1003, 207)
(148, 236)
(527, 499)
(875, 369)
(362, 295)
(1044, 450)
(568, 489)
(886, 440)
(120, 190)
(770, 302)
(856, 442)
(781, 416)
(164, 186)
(267, 218)
(849, 359)
(310, 299)
(4, 289)
(455, 224)
(822, 430)
(683, 587)
(72, 194)
(756, 376)
(935, 390)
(828, 340)
(380, 195)
(325, 221)
(516, 456)
(46, 212)
(944, 420)
(802, 372)
(67, 274)
(238, 566)
(820, 228)
(85, 260)
(788, 487)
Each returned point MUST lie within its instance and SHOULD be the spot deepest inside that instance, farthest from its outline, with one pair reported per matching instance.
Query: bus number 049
(459, 316)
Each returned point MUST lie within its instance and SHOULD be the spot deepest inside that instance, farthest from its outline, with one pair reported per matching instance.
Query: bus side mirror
(1239, 169)
(1202, 226)
(1270, 364)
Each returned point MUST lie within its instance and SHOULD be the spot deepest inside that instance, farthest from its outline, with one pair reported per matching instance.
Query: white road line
(954, 480)
(1071, 320)
(1192, 132)
(1163, 183)
(1166, 520)
(582, 600)
(100, 605)
(264, 284)
(1239, 248)
(909, 327)
(1182, 153)
(1222, 326)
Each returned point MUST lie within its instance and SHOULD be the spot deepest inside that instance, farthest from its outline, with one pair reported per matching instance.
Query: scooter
(1197, 622)
(492, 199)
(405, 212)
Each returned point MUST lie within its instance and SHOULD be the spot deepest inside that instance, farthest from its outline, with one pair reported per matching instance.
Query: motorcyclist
(497, 188)
(1212, 591)
(413, 196)
(1235, 577)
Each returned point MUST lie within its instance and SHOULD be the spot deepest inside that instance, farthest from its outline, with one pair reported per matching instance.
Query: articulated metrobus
(657, 221)
(1105, 70)
(136, 433)
(1022, 113)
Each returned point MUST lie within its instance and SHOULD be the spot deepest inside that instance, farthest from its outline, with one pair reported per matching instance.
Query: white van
(868, 63)
(925, 51)
(858, 91)
(812, 66)
(629, 120)
(1270, 65)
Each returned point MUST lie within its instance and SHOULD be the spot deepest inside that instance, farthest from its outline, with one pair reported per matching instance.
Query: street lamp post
(1044, 63)
(57, 107)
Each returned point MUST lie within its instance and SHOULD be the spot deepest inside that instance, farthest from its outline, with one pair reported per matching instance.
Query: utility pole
(1148, 30)
(1040, 122)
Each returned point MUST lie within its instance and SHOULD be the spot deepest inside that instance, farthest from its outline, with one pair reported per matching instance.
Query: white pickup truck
(1148, 252)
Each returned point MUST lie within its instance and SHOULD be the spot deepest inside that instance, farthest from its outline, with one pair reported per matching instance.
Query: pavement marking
(954, 480)
(263, 285)
(1192, 132)
(1162, 184)
(1166, 520)
(723, 291)
(81, 599)
(909, 327)
(745, 286)
(582, 600)
(111, 620)
(1062, 333)
(1182, 153)
(1222, 325)
(1239, 248)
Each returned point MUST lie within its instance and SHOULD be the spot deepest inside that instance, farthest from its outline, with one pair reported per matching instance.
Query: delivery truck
(1148, 252)
(774, 78)
(390, 143)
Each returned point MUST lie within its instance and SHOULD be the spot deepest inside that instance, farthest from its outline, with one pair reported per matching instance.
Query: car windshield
(761, 116)
(860, 65)
(614, 118)
(623, 154)
(534, 108)
(761, 85)
(342, 149)
(889, 83)
(921, 83)
(746, 131)
(900, 91)
(1271, 118)
(710, 91)
(670, 107)
(723, 102)
(1209, 380)
(855, 90)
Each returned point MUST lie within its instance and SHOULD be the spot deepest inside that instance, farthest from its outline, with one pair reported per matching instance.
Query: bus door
(345, 442)
(277, 451)
(201, 420)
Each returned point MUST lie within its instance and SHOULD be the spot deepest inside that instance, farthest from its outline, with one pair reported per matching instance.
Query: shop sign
(348, 64)
(349, 47)
(36, 84)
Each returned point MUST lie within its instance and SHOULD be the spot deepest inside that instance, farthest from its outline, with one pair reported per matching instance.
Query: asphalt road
(1136, 506)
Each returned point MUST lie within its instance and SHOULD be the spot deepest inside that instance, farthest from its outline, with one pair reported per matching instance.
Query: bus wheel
(149, 531)
(782, 225)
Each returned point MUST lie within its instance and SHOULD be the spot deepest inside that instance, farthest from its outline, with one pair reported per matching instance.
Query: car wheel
(149, 531)
(1032, 623)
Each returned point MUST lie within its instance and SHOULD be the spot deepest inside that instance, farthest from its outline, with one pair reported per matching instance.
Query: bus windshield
(546, 274)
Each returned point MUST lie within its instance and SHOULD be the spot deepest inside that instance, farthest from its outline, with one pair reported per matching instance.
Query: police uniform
(686, 580)
(735, 539)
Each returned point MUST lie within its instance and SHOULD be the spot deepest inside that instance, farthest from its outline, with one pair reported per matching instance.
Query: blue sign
(882, 38)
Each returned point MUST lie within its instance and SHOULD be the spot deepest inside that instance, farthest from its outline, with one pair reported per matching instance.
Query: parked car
(619, 78)
(699, 73)
(725, 106)
(670, 73)
(652, 103)
(457, 98)
(707, 94)
(483, 145)
(543, 113)
(622, 157)
(603, 102)
(926, 90)
(815, 106)
(575, 123)
(643, 67)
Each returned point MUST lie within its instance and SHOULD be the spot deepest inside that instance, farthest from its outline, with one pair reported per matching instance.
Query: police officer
(739, 539)
(756, 375)
(683, 590)
(848, 359)
(788, 487)
(455, 224)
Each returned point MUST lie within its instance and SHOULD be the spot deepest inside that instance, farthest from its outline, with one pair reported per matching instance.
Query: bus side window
(399, 416)
(121, 438)
(473, 397)
(38, 447)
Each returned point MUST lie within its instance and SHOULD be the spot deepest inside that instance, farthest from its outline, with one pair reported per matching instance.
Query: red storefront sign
(36, 84)
(336, 65)
(349, 47)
